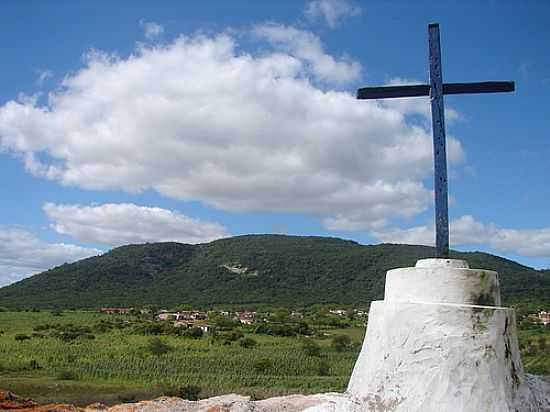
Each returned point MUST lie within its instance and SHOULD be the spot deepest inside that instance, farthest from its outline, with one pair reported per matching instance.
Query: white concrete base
(429, 349)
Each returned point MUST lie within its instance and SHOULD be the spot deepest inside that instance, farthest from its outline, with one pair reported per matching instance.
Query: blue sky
(125, 122)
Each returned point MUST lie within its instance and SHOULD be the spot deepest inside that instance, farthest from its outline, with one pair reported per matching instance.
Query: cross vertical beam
(439, 139)
(436, 89)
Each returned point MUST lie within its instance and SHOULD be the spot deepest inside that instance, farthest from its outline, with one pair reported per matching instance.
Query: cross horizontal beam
(388, 92)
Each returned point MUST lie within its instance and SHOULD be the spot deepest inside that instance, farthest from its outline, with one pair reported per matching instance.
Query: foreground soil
(11, 402)
(326, 402)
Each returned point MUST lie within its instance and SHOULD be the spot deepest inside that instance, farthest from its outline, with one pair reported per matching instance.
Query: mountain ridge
(281, 270)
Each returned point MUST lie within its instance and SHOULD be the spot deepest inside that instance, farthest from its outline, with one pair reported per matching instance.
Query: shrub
(247, 343)
(324, 368)
(223, 323)
(157, 347)
(67, 376)
(311, 348)
(189, 392)
(275, 330)
(229, 337)
(45, 326)
(303, 329)
(150, 329)
(262, 365)
(20, 337)
(341, 342)
(102, 327)
(194, 332)
(129, 397)
(542, 343)
(33, 364)
(67, 336)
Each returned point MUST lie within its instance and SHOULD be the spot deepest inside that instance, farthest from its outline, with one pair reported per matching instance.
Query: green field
(117, 365)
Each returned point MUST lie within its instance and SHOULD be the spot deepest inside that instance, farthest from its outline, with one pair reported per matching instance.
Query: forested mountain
(247, 270)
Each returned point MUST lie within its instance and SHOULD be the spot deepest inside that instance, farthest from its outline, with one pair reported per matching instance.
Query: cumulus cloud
(198, 119)
(307, 47)
(123, 223)
(23, 254)
(467, 231)
(151, 29)
(332, 11)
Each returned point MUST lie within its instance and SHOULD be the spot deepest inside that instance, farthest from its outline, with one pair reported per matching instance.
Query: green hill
(247, 270)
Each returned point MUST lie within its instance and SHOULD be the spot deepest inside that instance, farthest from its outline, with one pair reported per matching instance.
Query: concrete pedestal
(440, 342)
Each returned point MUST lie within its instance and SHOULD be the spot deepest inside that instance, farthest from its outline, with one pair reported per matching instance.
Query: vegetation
(341, 342)
(133, 357)
(247, 343)
(157, 347)
(89, 356)
(125, 362)
(189, 392)
(273, 270)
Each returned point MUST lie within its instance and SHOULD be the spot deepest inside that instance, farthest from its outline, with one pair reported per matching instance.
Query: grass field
(118, 365)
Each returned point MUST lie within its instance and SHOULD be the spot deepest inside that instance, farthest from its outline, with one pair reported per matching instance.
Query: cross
(436, 89)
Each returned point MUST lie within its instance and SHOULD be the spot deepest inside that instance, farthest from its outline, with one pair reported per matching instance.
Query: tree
(194, 332)
(224, 323)
(303, 329)
(232, 336)
(262, 365)
(157, 347)
(247, 343)
(311, 348)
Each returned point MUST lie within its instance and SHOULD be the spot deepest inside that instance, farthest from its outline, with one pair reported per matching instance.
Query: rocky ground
(327, 402)
(227, 403)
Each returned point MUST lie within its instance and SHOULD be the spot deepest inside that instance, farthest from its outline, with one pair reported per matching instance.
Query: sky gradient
(133, 121)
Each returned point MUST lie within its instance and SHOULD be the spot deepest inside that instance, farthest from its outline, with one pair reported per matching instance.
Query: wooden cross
(436, 89)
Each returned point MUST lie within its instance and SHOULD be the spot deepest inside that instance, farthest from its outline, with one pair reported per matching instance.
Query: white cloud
(123, 223)
(151, 29)
(419, 106)
(198, 120)
(43, 75)
(467, 231)
(332, 11)
(307, 47)
(23, 254)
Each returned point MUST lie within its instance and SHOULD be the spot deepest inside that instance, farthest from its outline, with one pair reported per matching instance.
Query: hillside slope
(253, 269)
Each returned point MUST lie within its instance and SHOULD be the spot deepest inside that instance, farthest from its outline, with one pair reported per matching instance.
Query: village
(206, 321)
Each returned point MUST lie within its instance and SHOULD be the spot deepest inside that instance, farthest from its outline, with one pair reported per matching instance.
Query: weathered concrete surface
(327, 402)
(431, 281)
(226, 403)
(439, 342)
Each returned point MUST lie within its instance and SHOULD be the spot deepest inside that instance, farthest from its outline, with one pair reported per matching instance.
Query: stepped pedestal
(440, 342)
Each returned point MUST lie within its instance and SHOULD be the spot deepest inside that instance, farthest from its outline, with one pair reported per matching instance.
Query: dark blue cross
(436, 89)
